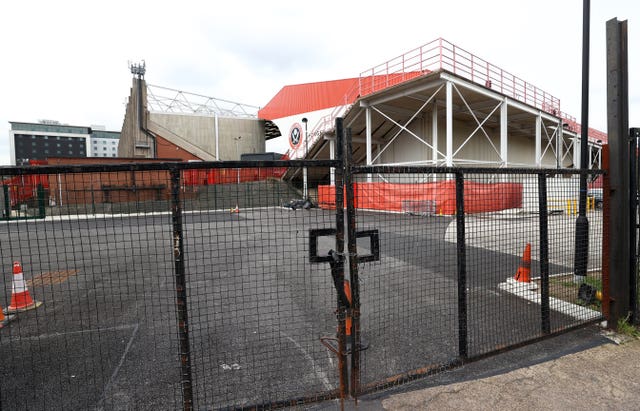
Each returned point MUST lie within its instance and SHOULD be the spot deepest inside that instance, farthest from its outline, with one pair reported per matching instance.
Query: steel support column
(559, 144)
(367, 112)
(538, 140)
(434, 137)
(503, 133)
(332, 156)
(449, 105)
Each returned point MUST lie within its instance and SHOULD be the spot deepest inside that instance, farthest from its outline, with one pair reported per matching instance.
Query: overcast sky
(67, 60)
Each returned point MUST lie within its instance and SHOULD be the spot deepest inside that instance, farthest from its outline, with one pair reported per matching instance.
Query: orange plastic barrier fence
(435, 198)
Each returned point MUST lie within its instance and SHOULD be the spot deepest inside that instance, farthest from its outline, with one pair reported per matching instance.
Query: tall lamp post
(237, 139)
(582, 223)
(305, 192)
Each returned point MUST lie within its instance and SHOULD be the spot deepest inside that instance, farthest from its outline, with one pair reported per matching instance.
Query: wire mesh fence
(168, 286)
(466, 267)
(135, 271)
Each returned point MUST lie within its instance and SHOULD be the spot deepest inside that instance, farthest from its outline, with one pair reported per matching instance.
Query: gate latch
(336, 261)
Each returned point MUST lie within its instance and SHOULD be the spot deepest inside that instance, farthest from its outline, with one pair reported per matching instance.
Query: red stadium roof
(304, 98)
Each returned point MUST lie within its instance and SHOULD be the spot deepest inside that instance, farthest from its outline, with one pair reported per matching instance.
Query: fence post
(7, 202)
(353, 264)
(634, 134)
(41, 201)
(618, 134)
(463, 341)
(181, 291)
(339, 186)
(544, 253)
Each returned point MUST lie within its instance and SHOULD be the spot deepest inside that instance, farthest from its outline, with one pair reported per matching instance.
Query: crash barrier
(213, 296)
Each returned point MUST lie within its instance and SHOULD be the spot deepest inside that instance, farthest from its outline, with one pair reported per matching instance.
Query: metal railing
(440, 54)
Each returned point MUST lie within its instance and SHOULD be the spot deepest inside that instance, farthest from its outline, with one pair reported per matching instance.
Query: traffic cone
(523, 275)
(20, 298)
(5, 319)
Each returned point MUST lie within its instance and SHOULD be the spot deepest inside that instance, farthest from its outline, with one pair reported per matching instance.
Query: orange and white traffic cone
(20, 297)
(523, 275)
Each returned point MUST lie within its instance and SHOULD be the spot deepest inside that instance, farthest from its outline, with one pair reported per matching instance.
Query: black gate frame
(349, 361)
(355, 387)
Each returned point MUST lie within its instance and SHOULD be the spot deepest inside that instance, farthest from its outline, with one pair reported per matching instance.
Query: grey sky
(67, 60)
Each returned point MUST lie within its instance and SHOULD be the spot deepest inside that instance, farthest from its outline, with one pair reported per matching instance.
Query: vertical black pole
(463, 341)
(181, 292)
(582, 223)
(634, 133)
(353, 266)
(544, 253)
(618, 134)
(339, 186)
(41, 201)
(7, 202)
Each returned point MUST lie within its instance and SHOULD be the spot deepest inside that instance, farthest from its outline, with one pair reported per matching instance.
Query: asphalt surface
(106, 336)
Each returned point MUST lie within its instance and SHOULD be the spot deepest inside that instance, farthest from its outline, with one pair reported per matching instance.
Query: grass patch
(564, 288)
(624, 327)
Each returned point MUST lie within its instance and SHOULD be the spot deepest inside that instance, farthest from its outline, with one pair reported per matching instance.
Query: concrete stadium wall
(197, 134)
(134, 142)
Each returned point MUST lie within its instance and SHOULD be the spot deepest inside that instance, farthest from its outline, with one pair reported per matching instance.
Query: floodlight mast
(138, 69)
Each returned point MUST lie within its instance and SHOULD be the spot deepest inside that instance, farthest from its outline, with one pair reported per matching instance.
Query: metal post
(434, 135)
(368, 139)
(41, 201)
(582, 223)
(7, 202)
(305, 188)
(504, 141)
(618, 133)
(238, 155)
(449, 122)
(339, 185)
(181, 292)
(606, 234)
(544, 253)
(353, 266)
(463, 341)
(538, 142)
(634, 134)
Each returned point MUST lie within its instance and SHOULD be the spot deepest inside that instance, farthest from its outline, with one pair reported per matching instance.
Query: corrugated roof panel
(304, 98)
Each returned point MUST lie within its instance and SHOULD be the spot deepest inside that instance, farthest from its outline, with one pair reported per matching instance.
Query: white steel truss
(166, 100)
(493, 118)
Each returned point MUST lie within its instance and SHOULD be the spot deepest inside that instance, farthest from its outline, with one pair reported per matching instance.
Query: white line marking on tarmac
(117, 370)
(523, 290)
(53, 335)
(321, 374)
(99, 216)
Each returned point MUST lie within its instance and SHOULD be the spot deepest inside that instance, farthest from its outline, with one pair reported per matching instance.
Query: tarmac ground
(106, 335)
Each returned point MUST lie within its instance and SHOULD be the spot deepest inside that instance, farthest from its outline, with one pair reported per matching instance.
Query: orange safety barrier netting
(435, 198)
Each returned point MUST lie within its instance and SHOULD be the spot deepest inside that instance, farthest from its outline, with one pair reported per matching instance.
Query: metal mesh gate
(450, 285)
